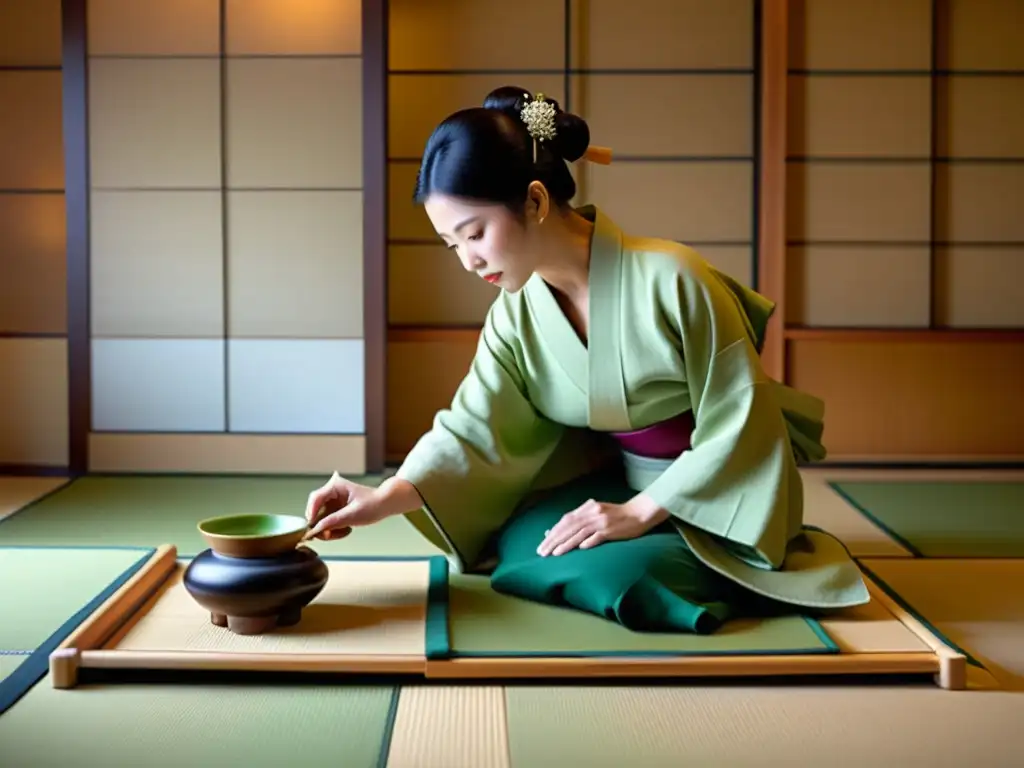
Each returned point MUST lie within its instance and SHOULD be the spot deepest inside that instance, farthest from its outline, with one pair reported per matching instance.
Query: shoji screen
(33, 294)
(225, 141)
(668, 84)
(906, 224)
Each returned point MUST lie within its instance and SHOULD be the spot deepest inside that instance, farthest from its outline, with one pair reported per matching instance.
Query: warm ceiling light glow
(294, 26)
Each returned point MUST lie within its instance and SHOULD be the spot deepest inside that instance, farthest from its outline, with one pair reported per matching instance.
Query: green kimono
(667, 334)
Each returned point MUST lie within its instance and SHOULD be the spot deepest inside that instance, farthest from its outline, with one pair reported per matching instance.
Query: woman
(616, 394)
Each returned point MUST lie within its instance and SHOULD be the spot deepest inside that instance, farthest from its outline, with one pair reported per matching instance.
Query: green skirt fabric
(652, 583)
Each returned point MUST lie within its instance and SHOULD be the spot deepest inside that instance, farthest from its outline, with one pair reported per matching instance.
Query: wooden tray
(152, 623)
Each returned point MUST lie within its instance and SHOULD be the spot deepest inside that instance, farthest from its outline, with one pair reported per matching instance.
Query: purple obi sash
(667, 439)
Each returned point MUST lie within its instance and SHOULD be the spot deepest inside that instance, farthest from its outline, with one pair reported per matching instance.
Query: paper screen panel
(295, 27)
(475, 35)
(865, 35)
(131, 28)
(156, 264)
(158, 385)
(690, 115)
(691, 202)
(859, 116)
(33, 274)
(31, 139)
(858, 286)
(985, 34)
(366, 608)
(978, 287)
(981, 117)
(297, 386)
(30, 33)
(155, 123)
(295, 264)
(417, 103)
(733, 260)
(34, 403)
(870, 202)
(294, 123)
(662, 34)
(980, 202)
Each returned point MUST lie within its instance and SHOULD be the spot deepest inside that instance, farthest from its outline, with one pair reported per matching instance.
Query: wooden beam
(907, 335)
(411, 334)
(375, 243)
(75, 106)
(771, 216)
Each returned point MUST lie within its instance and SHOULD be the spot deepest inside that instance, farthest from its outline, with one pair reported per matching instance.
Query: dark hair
(486, 153)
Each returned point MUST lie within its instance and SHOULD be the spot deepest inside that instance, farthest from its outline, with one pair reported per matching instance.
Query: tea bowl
(253, 535)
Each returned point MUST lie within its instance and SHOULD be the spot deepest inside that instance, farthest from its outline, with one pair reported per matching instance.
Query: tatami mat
(41, 589)
(611, 727)
(826, 509)
(945, 518)
(10, 662)
(16, 492)
(976, 604)
(450, 727)
(153, 510)
(195, 724)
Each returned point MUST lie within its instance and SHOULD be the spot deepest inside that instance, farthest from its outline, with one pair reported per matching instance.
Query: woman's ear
(538, 202)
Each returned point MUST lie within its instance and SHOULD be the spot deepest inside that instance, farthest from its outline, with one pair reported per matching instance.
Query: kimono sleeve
(482, 453)
(739, 482)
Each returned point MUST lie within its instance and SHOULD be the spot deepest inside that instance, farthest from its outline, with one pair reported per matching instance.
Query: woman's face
(488, 239)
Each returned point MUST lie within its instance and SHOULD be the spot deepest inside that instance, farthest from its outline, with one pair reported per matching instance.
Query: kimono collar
(594, 368)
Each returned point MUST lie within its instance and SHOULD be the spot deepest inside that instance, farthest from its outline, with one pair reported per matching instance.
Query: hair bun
(572, 134)
(507, 99)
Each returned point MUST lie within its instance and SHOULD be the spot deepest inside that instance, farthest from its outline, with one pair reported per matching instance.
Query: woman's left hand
(595, 522)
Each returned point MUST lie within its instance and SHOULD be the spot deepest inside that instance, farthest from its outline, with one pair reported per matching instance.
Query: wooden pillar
(771, 213)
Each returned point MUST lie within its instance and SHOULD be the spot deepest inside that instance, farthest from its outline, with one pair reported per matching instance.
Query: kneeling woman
(615, 445)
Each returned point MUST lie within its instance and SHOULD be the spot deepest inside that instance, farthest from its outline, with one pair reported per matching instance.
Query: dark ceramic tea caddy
(255, 576)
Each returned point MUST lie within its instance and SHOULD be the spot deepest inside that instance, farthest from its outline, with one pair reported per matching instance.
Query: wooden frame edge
(683, 667)
(66, 659)
(952, 665)
(222, 661)
(83, 649)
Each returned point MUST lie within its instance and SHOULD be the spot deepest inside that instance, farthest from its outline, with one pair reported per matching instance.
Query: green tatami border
(389, 728)
(37, 665)
(438, 642)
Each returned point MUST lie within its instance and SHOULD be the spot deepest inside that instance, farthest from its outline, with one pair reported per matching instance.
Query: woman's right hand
(334, 509)
(339, 505)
